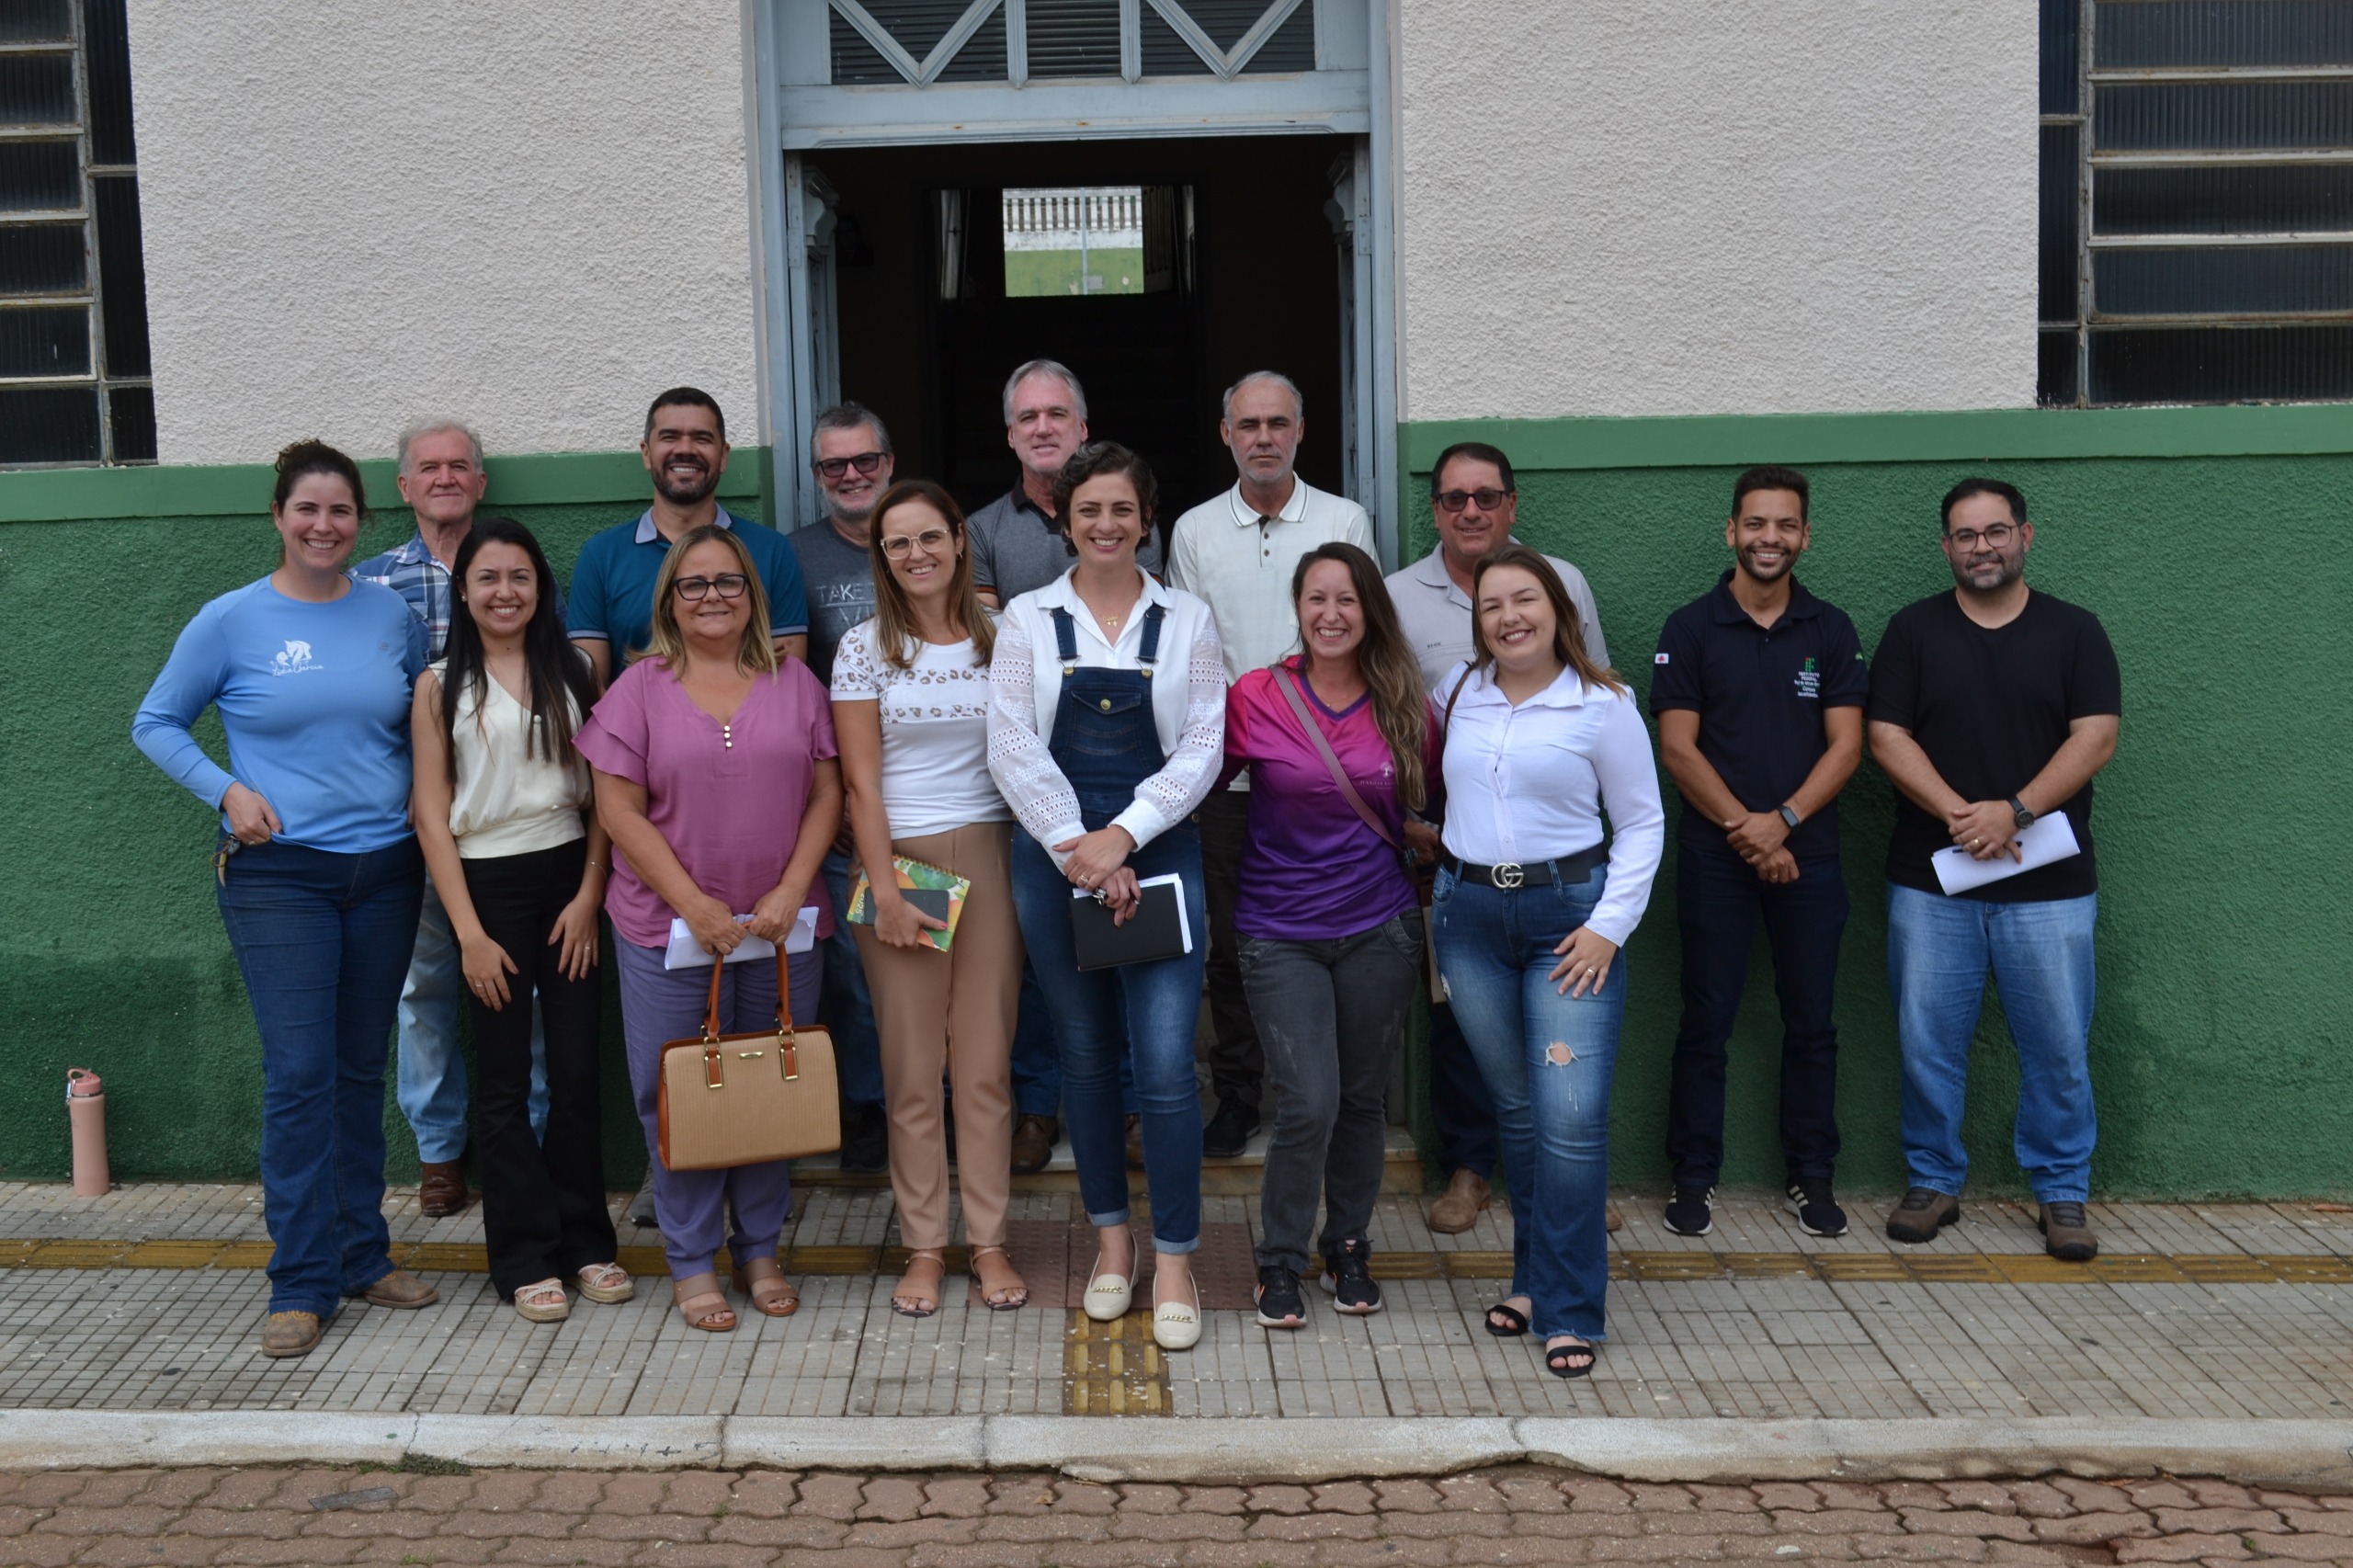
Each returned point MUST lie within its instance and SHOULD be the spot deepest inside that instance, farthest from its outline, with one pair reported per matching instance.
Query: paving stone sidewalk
(150, 1300)
(723, 1519)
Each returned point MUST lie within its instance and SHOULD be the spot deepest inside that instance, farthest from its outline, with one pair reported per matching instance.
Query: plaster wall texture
(356, 215)
(1666, 207)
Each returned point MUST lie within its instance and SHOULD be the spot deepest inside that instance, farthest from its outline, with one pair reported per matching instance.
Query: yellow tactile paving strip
(1971, 1268)
(1114, 1369)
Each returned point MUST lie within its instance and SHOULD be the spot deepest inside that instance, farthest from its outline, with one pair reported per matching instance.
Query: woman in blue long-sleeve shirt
(320, 876)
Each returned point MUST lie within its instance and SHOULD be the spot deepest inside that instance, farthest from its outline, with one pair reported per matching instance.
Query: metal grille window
(888, 43)
(2197, 201)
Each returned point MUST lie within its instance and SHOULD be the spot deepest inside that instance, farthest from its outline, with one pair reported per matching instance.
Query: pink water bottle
(85, 1106)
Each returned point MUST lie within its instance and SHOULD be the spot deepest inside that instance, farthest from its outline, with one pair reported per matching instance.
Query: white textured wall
(1657, 206)
(532, 216)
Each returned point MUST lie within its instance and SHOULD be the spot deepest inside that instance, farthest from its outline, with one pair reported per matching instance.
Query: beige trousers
(954, 1011)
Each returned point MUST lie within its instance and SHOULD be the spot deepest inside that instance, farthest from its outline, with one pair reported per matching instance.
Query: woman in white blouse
(1530, 912)
(911, 714)
(1107, 730)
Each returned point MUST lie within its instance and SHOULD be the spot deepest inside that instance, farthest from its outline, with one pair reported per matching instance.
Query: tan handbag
(744, 1099)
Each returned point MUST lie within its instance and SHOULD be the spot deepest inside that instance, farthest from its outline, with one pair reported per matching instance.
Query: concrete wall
(1716, 206)
(533, 217)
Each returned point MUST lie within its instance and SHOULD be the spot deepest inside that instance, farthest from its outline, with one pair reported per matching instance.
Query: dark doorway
(1239, 271)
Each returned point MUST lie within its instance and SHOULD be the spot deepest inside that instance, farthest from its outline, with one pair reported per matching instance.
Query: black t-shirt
(1759, 693)
(1990, 707)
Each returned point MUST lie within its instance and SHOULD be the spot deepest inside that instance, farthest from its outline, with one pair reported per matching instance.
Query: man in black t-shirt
(1991, 709)
(1758, 690)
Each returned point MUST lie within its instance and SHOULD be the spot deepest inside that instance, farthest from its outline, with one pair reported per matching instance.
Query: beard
(682, 491)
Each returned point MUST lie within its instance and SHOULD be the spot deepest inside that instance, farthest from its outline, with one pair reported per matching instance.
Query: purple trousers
(661, 1005)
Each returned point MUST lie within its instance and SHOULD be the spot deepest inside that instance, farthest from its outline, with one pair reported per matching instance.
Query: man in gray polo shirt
(1474, 502)
(1016, 541)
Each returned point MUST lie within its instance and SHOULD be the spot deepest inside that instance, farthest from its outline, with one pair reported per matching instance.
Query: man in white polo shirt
(1237, 552)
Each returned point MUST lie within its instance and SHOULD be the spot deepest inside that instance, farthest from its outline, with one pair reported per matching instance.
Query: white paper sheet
(1184, 920)
(685, 952)
(2045, 840)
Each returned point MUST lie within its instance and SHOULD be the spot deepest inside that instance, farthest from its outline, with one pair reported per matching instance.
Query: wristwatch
(2017, 810)
(1789, 816)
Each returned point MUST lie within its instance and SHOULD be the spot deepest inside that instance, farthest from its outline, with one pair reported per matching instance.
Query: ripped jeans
(1548, 1061)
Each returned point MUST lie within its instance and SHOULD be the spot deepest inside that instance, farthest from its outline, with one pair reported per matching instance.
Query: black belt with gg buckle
(1569, 871)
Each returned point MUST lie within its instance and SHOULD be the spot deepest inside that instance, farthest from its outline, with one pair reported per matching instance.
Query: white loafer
(1109, 1296)
(1175, 1325)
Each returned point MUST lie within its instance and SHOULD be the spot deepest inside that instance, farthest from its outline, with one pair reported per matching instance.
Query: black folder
(1158, 929)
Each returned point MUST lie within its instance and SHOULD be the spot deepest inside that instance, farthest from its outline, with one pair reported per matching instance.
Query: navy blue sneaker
(1818, 1213)
(1691, 1212)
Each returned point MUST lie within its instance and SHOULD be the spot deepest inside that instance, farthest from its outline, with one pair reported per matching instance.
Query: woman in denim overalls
(1106, 731)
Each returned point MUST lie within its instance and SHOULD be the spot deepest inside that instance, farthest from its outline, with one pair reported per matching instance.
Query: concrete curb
(2309, 1454)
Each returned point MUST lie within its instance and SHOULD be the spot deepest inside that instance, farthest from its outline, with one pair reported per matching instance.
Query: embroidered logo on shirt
(294, 659)
(1809, 680)
(1658, 658)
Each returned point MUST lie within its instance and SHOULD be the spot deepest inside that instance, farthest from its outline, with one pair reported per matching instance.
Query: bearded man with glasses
(1474, 501)
(1992, 707)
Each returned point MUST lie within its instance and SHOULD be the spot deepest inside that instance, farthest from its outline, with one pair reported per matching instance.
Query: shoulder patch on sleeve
(1658, 659)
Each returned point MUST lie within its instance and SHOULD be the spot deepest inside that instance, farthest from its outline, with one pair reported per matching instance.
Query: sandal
(1515, 1322)
(1006, 1295)
(607, 1282)
(928, 1296)
(1572, 1357)
(779, 1299)
(543, 1302)
(700, 1303)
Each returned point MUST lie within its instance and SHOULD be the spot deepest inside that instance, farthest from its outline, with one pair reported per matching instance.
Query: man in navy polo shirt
(610, 609)
(1759, 689)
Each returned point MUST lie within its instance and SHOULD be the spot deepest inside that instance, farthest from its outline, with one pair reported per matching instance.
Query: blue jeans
(322, 940)
(1939, 950)
(432, 1084)
(848, 1008)
(1548, 1059)
(1099, 1016)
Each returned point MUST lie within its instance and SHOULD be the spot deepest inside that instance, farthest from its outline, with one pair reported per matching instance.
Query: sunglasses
(833, 467)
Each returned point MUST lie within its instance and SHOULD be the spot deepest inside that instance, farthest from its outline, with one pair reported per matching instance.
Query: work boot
(1922, 1213)
(441, 1191)
(399, 1289)
(1612, 1221)
(290, 1333)
(1033, 1142)
(2067, 1232)
(1456, 1209)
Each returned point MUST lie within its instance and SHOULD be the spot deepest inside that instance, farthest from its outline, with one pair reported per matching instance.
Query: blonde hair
(894, 618)
(755, 654)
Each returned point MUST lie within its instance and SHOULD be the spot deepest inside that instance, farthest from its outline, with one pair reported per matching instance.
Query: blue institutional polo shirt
(1760, 692)
(612, 585)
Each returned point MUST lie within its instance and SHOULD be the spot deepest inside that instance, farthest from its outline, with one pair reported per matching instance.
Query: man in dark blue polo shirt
(1759, 689)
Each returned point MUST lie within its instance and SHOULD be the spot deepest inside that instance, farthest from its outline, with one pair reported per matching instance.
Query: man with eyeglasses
(1474, 502)
(849, 453)
(1237, 552)
(1992, 707)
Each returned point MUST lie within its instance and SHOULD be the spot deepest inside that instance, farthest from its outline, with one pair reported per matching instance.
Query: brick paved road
(828, 1520)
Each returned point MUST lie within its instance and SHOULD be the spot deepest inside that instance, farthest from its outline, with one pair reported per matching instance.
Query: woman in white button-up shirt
(1530, 913)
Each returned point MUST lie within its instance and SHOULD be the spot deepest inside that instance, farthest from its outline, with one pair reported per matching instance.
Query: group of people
(441, 769)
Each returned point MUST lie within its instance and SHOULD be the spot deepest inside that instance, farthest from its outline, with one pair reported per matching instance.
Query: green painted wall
(2221, 1043)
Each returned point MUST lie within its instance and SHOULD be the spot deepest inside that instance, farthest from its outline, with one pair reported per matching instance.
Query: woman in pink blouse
(716, 777)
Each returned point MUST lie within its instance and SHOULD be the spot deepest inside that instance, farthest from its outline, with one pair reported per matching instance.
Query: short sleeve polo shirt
(612, 584)
(1760, 692)
(1017, 549)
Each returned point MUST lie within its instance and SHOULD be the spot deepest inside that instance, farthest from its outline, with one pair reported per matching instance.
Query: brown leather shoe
(442, 1190)
(1456, 1209)
(290, 1333)
(2067, 1231)
(1612, 1221)
(400, 1289)
(1135, 1142)
(1033, 1142)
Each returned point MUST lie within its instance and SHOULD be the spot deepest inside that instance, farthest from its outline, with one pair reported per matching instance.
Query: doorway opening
(1158, 269)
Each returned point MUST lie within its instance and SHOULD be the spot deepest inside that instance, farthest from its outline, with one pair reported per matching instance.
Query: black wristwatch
(1789, 816)
(2024, 818)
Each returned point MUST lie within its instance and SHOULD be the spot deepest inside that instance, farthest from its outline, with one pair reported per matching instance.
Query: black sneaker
(1229, 1131)
(865, 1138)
(1348, 1278)
(1689, 1212)
(1818, 1213)
(1280, 1304)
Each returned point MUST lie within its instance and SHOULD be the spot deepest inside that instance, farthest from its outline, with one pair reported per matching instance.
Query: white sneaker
(1109, 1296)
(1175, 1325)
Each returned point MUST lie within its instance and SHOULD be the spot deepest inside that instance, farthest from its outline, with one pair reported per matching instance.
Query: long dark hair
(1401, 707)
(894, 620)
(562, 682)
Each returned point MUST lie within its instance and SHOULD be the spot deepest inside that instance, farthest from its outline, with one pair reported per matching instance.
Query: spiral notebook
(933, 890)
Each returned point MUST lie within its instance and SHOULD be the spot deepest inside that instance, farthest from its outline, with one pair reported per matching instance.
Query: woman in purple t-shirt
(1331, 929)
(716, 777)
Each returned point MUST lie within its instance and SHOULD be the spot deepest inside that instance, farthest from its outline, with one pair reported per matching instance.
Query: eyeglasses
(833, 467)
(931, 541)
(1451, 500)
(1996, 538)
(730, 586)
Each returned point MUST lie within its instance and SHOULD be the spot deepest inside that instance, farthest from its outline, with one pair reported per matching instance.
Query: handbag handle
(1324, 750)
(786, 1044)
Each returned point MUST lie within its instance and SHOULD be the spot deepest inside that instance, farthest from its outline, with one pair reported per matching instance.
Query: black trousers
(1718, 899)
(1237, 1062)
(543, 1204)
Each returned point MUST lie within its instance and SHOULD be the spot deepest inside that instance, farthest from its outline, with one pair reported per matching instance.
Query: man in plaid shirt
(441, 478)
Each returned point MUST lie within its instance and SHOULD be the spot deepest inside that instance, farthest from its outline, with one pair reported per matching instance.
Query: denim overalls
(1106, 743)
